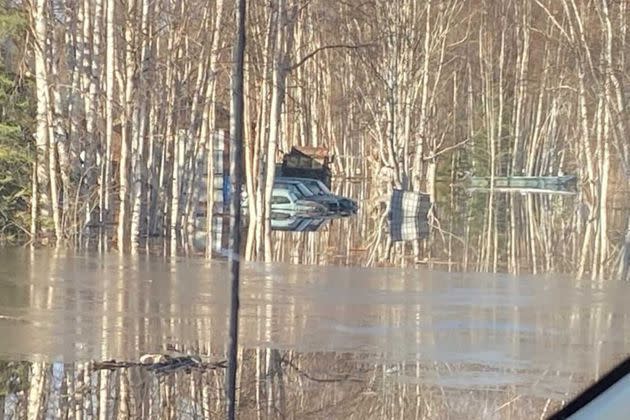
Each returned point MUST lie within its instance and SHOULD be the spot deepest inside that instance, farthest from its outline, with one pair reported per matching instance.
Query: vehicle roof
(281, 189)
(292, 179)
(288, 181)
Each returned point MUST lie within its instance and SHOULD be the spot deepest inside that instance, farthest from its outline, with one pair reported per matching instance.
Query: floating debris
(163, 363)
(152, 358)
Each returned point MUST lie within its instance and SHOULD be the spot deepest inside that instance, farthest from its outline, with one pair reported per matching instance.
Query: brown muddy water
(317, 341)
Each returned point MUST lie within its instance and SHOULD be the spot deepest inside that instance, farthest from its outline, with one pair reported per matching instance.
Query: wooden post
(236, 163)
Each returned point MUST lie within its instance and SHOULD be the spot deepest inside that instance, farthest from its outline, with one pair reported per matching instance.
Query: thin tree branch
(326, 47)
(554, 21)
(446, 149)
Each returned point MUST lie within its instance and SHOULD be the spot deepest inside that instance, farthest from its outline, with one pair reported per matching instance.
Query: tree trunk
(208, 126)
(277, 98)
(110, 63)
(41, 135)
(127, 98)
(139, 128)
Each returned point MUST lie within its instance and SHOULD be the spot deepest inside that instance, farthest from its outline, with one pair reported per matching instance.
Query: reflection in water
(275, 384)
(485, 231)
(317, 341)
(298, 223)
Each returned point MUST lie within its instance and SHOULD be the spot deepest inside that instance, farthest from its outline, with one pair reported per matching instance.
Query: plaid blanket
(408, 215)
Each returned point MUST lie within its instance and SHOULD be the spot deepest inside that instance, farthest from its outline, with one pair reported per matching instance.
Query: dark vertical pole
(236, 164)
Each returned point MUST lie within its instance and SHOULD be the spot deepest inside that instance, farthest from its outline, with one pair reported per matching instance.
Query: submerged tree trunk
(127, 96)
(110, 62)
(280, 71)
(41, 135)
(139, 129)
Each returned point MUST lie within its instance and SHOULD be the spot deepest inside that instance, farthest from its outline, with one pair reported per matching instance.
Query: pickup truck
(302, 191)
(287, 199)
(319, 189)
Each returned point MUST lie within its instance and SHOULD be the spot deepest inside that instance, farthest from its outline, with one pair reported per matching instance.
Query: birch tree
(42, 196)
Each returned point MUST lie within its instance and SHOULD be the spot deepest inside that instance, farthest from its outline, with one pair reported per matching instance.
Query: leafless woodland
(404, 93)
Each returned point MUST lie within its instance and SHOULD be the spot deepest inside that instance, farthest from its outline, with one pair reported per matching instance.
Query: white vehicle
(304, 192)
(285, 200)
(344, 205)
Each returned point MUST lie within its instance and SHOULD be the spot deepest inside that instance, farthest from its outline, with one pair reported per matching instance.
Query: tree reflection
(295, 385)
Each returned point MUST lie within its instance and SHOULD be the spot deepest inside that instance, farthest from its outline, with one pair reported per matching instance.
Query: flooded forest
(504, 301)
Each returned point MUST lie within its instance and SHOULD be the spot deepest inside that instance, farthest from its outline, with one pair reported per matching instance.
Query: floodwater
(506, 340)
